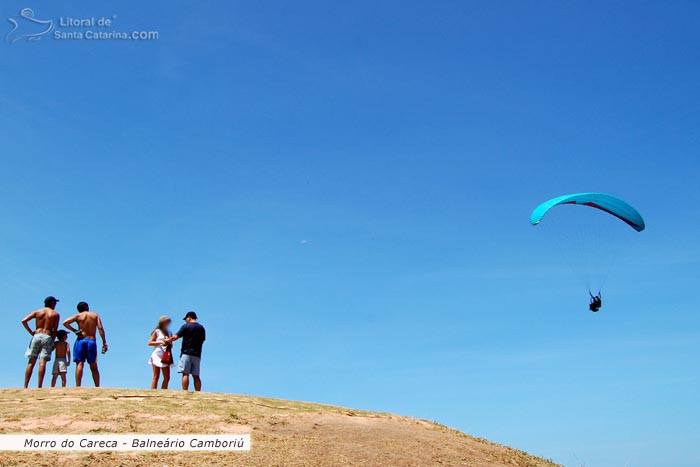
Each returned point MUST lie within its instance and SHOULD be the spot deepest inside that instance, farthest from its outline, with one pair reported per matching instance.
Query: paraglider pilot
(596, 302)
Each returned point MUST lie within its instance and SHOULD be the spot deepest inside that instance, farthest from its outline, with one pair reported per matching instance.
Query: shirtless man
(85, 348)
(43, 336)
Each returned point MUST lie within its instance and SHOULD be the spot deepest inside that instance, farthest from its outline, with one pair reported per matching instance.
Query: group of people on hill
(193, 336)
(48, 340)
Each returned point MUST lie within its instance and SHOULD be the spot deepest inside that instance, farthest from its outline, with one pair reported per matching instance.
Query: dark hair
(61, 334)
(83, 306)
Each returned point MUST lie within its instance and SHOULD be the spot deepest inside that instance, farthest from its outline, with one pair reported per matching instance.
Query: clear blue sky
(342, 192)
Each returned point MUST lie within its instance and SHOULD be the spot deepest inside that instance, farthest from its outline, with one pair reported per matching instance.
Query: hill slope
(283, 433)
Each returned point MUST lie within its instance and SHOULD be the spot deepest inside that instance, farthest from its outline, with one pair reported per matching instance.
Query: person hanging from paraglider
(596, 302)
(608, 204)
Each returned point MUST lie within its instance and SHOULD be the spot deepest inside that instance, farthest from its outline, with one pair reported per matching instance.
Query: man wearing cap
(193, 336)
(85, 348)
(43, 336)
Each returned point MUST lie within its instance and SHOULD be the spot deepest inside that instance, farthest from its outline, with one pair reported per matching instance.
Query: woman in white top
(157, 340)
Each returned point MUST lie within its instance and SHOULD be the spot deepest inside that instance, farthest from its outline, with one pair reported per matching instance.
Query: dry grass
(283, 433)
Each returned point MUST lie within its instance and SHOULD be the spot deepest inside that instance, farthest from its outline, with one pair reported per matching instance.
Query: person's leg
(42, 371)
(79, 357)
(166, 377)
(32, 354)
(79, 373)
(28, 372)
(92, 361)
(184, 368)
(95, 374)
(194, 370)
(63, 380)
(156, 376)
(55, 372)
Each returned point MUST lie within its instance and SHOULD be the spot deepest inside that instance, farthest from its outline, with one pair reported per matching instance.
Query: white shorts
(40, 346)
(60, 366)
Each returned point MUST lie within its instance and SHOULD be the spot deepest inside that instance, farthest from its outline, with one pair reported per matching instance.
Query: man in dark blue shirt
(193, 336)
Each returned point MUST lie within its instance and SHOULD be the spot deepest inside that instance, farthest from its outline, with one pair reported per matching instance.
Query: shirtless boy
(46, 324)
(85, 348)
(62, 361)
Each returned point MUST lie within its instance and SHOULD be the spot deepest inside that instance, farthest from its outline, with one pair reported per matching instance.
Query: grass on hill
(283, 433)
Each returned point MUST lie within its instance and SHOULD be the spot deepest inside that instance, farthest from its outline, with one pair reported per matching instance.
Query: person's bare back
(61, 349)
(46, 321)
(87, 323)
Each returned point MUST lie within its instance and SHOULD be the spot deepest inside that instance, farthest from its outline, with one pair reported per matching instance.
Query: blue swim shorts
(85, 349)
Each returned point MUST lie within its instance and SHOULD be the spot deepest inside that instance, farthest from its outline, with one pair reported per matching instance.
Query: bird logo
(25, 27)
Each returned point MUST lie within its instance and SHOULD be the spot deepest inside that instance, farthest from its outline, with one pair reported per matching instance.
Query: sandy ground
(283, 433)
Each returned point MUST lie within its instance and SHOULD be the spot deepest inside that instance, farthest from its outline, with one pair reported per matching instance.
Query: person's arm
(26, 320)
(176, 336)
(67, 354)
(101, 330)
(55, 328)
(152, 341)
(172, 339)
(67, 324)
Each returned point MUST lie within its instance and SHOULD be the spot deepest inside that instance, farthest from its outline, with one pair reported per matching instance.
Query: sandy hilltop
(284, 433)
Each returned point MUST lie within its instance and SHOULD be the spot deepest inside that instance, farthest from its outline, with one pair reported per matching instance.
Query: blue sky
(342, 192)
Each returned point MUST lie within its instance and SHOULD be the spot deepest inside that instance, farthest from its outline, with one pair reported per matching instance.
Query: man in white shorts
(43, 335)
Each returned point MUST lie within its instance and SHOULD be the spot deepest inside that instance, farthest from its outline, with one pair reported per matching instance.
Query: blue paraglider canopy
(608, 203)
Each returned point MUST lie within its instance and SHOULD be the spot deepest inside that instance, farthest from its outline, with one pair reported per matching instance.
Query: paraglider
(607, 203)
(596, 302)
